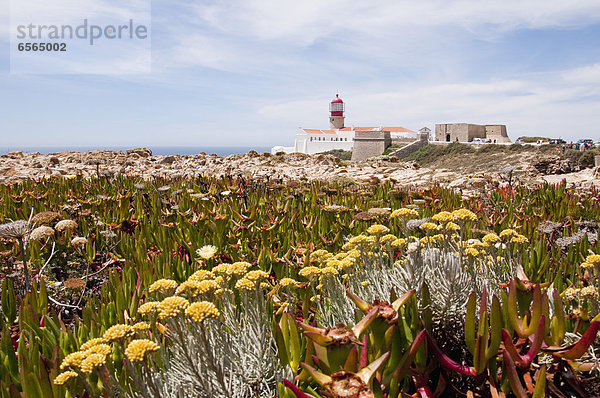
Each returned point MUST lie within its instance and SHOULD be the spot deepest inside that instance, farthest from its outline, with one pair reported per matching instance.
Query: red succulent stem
(446, 361)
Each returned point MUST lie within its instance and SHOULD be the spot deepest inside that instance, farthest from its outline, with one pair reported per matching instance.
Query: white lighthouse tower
(336, 110)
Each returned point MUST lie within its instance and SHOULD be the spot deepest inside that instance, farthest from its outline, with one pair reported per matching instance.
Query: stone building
(466, 132)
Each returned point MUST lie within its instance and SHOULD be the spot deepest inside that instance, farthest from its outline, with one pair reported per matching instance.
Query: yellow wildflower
(162, 286)
(404, 213)
(443, 217)
(137, 349)
(171, 306)
(310, 272)
(508, 233)
(491, 238)
(117, 332)
(140, 326)
(464, 215)
(245, 284)
(64, 377)
(337, 264)
(593, 259)
(399, 243)
(220, 269)
(285, 282)
(90, 343)
(320, 255)
(429, 226)
(257, 275)
(328, 271)
(103, 349)
(73, 360)
(519, 239)
(201, 275)
(387, 239)
(92, 362)
(206, 286)
(188, 288)
(378, 229)
(452, 227)
(472, 252)
(202, 310)
(148, 307)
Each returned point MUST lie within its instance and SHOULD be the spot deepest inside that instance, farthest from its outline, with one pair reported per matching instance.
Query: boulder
(142, 152)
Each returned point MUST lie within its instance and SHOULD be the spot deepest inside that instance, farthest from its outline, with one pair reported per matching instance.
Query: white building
(312, 141)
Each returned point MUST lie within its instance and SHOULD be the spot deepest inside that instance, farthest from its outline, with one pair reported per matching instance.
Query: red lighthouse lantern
(336, 110)
(336, 107)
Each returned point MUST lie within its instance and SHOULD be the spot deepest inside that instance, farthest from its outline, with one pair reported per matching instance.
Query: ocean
(156, 150)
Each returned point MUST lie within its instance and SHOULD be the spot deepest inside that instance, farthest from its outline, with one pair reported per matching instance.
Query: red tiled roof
(390, 129)
(310, 131)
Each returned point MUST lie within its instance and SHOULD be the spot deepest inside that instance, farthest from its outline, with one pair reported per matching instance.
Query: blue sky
(250, 72)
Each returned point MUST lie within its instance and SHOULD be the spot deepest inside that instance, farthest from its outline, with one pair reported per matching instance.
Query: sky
(250, 72)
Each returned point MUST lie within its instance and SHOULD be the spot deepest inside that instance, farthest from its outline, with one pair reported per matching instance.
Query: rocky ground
(460, 172)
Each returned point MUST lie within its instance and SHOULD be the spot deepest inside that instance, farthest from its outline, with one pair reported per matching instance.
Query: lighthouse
(336, 110)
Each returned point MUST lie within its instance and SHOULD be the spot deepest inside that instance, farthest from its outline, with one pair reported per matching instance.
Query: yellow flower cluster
(328, 271)
(429, 226)
(137, 349)
(472, 252)
(148, 307)
(404, 214)
(508, 233)
(452, 227)
(162, 286)
(245, 284)
(235, 269)
(73, 360)
(286, 282)
(443, 217)
(378, 230)
(519, 239)
(432, 240)
(117, 332)
(92, 362)
(320, 255)
(399, 243)
(91, 343)
(102, 349)
(387, 239)
(140, 326)
(491, 238)
(257, 275)
(310, 272)
(202, 310)
(464, 215)
(189, 288)
(64, 377)
(593, 259)
(201, 275)
(171, 306)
